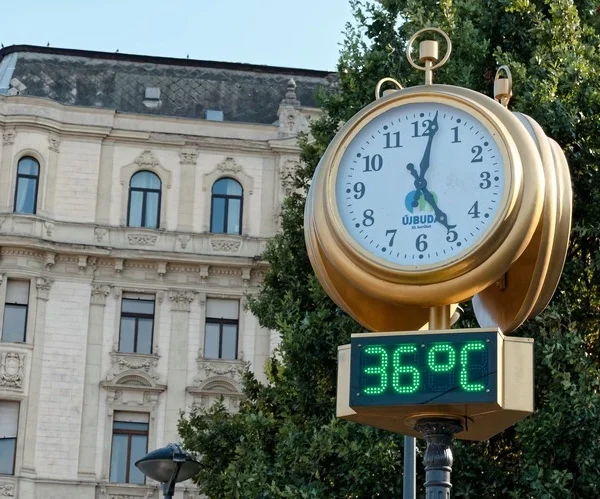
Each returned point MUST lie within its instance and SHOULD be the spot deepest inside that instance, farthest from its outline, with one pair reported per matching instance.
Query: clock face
(421, 184)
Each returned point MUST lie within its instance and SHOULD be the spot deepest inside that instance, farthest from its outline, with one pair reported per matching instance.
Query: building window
(221, 330)
(144, 200)
(28, 172)
(129, 444)
(137, 323)
(9, 419)
(14, 324)
(226, 208)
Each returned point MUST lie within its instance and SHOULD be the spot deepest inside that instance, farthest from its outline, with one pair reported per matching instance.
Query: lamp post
(168, 465)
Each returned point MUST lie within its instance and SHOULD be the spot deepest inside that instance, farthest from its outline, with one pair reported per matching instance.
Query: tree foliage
(285, 441)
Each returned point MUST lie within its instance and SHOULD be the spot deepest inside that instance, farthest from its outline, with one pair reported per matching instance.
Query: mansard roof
(187, 88)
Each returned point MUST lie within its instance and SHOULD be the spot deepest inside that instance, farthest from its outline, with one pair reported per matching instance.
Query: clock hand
(440, 216)
(431, 131)
(420, 181)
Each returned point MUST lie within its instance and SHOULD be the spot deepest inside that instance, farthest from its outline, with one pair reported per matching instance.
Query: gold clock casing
(562, 232)
(508, 305)
(471, 271)
(375, 315)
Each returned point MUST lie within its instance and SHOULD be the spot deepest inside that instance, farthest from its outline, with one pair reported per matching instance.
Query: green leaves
(286, 442)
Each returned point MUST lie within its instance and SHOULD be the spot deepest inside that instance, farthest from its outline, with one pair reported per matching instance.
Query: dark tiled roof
(244, 92)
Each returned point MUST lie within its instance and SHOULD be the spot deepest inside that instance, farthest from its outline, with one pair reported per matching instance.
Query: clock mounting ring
(503, 86)
(380, 83)
(430, 55)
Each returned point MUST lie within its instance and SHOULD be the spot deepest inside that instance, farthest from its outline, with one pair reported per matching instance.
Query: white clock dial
(421, 184)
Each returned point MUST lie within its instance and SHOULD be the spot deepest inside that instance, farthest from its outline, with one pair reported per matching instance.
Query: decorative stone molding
(246, 272)
(43, 286)
(8, 137)
(161, 269)
(54, 143)
(11, 369)
(99, 294)
(2, 219)
(49, 228)
(49, 260)
(82, 263)
(188, 156)
(146, 160)
(216, 379)
(286, 175)
(181, 300)
(116, 491)
(119, 262)
(204, 272)
(133, 364)
(100, 233)
(225, 245)
(7, 489)
(142, 239)
(229, 165)
(184, 239)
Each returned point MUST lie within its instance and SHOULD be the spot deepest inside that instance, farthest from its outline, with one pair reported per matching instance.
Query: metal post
(169, 487)
(438, 459)
(409, 483)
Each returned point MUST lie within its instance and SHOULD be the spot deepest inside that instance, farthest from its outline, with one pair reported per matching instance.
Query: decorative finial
(428, 53)
(290, 96)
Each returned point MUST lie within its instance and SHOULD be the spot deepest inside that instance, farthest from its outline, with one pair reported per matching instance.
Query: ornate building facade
(136, 198)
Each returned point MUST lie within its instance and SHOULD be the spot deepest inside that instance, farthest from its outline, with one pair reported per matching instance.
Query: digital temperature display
(423, 368)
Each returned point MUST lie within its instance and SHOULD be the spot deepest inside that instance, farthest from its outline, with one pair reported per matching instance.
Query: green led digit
(380, 370)
(432, 359)
(471, 346)
(399, 369)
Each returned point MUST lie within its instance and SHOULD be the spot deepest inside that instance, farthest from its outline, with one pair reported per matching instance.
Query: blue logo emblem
(421, 217)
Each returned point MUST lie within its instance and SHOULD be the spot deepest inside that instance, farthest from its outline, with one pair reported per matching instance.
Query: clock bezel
(474, 252)
(436, 287)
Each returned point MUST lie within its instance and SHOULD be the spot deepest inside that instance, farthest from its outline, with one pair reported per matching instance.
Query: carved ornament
(225, 245)
(142, 239)
(7, 489)
(11, 369)
(147, 160)
(229, 165)
(8, 137)
(188, 156)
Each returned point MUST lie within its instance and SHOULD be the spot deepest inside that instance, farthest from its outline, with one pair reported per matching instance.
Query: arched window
(28, 173)
(226, 209)
(144, 200)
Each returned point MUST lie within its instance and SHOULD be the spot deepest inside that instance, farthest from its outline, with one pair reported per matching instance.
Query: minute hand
(431, 131)
(440, 216)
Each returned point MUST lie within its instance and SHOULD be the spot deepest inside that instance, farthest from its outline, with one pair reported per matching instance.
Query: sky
(298, 34)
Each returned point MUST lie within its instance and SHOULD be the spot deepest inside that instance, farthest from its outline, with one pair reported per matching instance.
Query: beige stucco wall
(80, 258)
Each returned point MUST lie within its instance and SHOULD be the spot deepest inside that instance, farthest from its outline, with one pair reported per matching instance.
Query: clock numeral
(426, 125)
(359, 190)
(477, 150)
(388, 141)
(451, 236)
(393, 233)
(485, 176)
(368, 218)
(373, 163)
(455, 141)
(474, 211)
(421, 243)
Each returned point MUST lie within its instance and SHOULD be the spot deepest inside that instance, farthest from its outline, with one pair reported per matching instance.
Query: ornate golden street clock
(424, 198)
(427, 197)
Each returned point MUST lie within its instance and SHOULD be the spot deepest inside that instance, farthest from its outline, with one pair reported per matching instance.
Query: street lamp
(168, 465)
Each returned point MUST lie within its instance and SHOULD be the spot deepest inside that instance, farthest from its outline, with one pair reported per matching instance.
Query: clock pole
(438, 432)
